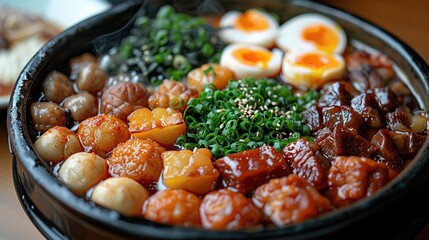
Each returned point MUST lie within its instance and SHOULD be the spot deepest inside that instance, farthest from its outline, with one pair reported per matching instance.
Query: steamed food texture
(253, 123)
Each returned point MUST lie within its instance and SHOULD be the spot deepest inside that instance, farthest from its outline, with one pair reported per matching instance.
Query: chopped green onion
(245, 115)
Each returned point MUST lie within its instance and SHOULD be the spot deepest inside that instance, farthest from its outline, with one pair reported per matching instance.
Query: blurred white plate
(65, 13)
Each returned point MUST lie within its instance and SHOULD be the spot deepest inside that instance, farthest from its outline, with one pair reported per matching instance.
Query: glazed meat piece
(386, 148)
(335, 94)
(244, 171)
(368, 71)
(172, 94)
(304, 160)
(313, 118)
(343, 116)
(121, 194)
(82, 105)
(138, 159)
(353, 178)
(383, 99)
(413, 142)
(173, 206)
(386, 99)
(399, 120)
(57, 144)
(46, 115)
(362, 101)
(343, 141)
(122, 99)
(100, 134)
(290, 200)
(225, 209)
(57, 86)
(91, 78)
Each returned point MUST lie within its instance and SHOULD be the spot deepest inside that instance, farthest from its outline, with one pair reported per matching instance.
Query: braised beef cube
(368, 132)
(368, 71)
(399, 120)
(345, 141)
(375, 80)
(322, 134)
(249, 169)
(386, 147)
(358, 80)
(313, 117)
(343, 116)
(386, 99)
(334, 94)
(303, 159)
(413, 142)
(371, 118)
(362, 101)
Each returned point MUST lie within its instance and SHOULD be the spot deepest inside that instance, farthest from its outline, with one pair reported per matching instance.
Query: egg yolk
(251, 21)
(252, 57)
(317, 61)
(324, 37)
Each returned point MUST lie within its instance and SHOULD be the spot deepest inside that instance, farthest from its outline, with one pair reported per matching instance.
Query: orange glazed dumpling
(100, 134)
(138, 159)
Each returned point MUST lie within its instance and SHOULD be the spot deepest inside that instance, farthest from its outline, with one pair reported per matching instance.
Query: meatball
(57, 144)
(46, 115)
(100, 134)
(81, 171)
(353, 178)
(290, 200)
(81, 105)
(91, 78)
(173, 206)
(138, 159)
(77, 63)
(56, 87)
(209, 74)
(225, 209)
(172, 94)
(121, 194)
(122, 99)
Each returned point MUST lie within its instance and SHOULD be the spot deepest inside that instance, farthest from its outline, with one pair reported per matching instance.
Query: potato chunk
(189, 170)
(163, 125)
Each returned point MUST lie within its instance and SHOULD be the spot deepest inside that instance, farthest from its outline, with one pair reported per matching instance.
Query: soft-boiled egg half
(252, 26)
(312, 69)
(248, 60)
(311, 31)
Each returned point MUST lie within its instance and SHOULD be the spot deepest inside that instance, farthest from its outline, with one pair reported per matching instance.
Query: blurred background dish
(25, 25)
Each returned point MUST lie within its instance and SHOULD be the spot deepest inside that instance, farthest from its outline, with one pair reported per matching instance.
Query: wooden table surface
(407, 19)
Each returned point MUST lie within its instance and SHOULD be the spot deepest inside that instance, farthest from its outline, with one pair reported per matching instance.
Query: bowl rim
(22, 150)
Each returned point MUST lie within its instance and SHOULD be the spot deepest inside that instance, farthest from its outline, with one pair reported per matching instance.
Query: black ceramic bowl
(398, 211)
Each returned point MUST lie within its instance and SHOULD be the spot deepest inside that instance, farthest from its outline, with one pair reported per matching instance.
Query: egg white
(242, 70)
(290, 33)
(305, 77)
(230, 34)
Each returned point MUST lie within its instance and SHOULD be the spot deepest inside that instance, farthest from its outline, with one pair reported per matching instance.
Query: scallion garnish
(245, 115)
